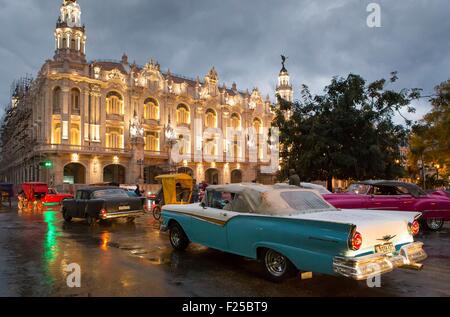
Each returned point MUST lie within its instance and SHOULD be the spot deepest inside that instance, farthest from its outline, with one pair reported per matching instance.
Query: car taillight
(103, 212)
(414, 227)
(355, 240)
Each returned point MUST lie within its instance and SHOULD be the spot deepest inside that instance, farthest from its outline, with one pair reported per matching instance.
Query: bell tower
(284, 87)
(70, 37)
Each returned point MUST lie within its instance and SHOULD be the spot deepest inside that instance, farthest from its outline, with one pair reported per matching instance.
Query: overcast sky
(243, 39)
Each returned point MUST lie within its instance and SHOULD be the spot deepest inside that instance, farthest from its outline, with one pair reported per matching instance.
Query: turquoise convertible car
(290, 229)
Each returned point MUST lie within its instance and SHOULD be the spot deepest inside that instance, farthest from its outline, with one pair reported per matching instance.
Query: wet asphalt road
(137, 260)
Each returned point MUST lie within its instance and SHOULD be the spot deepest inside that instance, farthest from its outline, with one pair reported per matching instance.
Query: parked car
(393, 195)
(295, 229)
(102, 203)
(30, 195)
(54, 198)
(444, 193)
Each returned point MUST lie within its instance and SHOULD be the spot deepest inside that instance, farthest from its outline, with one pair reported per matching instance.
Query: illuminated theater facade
(114, 121)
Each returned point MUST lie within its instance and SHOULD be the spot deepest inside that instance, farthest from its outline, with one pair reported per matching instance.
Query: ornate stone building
(115, 121)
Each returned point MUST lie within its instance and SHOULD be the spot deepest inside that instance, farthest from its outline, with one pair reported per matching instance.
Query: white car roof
(263, 197)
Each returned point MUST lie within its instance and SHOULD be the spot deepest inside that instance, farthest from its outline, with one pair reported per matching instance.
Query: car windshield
(110, 193)
(305, 202)
(360, 189)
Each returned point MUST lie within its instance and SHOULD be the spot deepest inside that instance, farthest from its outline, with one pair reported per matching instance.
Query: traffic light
(46, 164)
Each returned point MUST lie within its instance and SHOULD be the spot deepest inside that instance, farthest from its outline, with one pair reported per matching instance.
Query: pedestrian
(137, 191)
(195, 191)
(294, 179)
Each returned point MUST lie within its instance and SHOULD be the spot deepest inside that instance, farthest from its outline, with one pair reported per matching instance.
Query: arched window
(210, 148)
(235, 121)
(210, 119)
(57, 100)
(257, 124)
(75, 101)
(114, 103)
(152, 141)
(72, 43)
(183, 114)
(75, 134)
(151, 109)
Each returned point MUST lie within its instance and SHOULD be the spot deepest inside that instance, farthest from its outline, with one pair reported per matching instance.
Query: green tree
(430, 138)
(347, 132)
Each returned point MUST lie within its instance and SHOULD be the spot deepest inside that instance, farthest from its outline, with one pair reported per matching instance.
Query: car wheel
(91, 220)
(66, 217)
(178, 239)
(276, 266)
(434, 224)
(157, 212)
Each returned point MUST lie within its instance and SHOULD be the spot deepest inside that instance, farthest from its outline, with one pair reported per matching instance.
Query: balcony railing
(114, 117)
(156, 154)
(80, 149)
(152, 122)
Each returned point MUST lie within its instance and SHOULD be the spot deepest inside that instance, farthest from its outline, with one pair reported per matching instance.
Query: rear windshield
(110, 193)
(305, 202)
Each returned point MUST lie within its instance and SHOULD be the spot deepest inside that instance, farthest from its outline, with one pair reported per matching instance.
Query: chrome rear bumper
(131, 213)
(361, 268)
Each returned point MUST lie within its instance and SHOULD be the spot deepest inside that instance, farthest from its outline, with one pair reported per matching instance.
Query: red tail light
(414, 227)
(103, 213)
(355, 240)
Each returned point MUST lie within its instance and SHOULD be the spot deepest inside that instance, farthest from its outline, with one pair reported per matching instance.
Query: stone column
(135, 176)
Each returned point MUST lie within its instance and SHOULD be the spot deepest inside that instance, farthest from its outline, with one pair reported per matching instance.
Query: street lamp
(437, 166)
(171, 139)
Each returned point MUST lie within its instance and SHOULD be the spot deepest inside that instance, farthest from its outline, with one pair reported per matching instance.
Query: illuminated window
(151, 109)
(235, 121)
(257, 124)
(114, 138)
(210, 119)
(236, 149)
(75, 101)
(75, 138)
(183, 114)
(56, 136)
(152, 141)
(114, 103)
(57, 100)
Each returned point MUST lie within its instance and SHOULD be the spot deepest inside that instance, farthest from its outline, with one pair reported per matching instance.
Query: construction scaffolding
(14, 129)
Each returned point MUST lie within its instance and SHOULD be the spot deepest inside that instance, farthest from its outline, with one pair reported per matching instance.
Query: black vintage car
(101, 204)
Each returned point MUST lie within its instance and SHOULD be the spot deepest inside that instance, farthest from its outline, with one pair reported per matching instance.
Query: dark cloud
(243, 39)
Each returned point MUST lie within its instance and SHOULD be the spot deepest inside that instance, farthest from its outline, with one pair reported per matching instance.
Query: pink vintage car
(393, 195)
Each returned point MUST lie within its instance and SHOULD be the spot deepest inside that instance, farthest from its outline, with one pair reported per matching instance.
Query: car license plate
(385, 248)
(124, 207)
